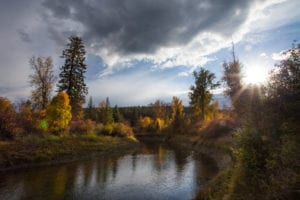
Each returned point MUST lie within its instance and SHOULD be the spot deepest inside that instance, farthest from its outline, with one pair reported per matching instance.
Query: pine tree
(91, 110)
(72, 75)
(117, 115)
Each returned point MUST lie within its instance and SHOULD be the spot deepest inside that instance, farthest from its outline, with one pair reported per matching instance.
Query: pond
(156, 171)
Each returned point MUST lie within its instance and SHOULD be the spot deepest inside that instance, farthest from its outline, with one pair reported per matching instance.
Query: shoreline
(35, 152)
(223, 158)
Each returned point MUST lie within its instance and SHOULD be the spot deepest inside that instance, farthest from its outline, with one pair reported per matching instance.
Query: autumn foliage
(7, 119)
(58, 114)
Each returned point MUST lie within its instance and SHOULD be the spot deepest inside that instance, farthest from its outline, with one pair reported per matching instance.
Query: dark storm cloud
(142, 26)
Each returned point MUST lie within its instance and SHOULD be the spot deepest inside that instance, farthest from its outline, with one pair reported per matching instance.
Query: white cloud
(279, 56)
(183, 74)
(264, 55)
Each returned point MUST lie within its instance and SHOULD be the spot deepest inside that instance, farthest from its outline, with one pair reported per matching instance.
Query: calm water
(157, 171)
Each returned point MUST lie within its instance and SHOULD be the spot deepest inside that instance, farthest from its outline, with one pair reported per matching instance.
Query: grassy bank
(50, 149)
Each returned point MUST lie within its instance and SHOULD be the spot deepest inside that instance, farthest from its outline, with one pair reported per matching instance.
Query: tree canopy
(200, 95)
(58, 114)
(72, 74)
(42, 80)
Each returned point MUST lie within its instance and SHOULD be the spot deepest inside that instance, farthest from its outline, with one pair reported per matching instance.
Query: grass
(51, 149)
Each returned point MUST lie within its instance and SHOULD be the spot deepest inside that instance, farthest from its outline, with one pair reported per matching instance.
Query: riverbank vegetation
(267, 155)
(259, 131)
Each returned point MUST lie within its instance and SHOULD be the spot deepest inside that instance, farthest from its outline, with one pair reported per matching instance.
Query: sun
(255, 75)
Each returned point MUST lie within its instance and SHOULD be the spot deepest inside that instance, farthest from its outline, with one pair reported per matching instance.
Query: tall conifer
(72, 75)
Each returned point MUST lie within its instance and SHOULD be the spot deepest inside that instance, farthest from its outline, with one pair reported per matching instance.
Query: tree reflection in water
(157, 171)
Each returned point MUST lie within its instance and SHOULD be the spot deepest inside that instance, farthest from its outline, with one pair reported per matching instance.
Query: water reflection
(157, 171)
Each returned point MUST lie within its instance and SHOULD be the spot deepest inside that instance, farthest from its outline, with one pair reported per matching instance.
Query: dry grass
(34, 149)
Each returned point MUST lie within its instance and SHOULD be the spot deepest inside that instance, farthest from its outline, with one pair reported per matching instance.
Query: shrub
(107, 129)
(115, 129)
(30, 122)
(145, 122)
(122, 130)
(82, 126)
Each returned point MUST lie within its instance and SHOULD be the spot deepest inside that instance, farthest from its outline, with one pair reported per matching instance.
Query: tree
(283, 90)
(117, 115)
(26, 118)
(200, 96)
(101, 111)
(58, 113)
(108, 113)
(233, 79)
(177, 113)
(42, 79)
(72, 75)
(268, 141)
(160, 110)
(91, 111)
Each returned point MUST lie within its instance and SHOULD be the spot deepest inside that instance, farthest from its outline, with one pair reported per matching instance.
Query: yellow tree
(58, 114)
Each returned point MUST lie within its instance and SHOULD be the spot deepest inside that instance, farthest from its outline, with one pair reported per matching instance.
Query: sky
(142, 50)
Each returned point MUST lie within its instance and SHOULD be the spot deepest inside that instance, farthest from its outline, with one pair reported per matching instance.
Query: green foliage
(268, 143)
(42, 125)
(72, 75)
(284, 87)
(251, 155)
(58, 114)
(200, 96)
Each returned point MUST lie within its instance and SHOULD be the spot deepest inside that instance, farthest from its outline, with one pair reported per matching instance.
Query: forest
(259, 130)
